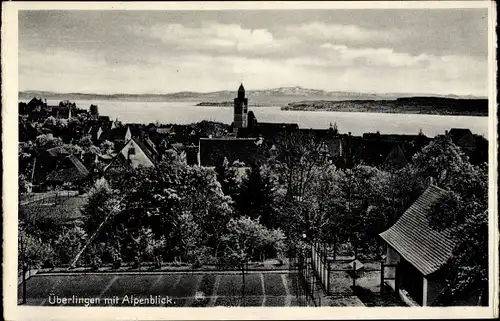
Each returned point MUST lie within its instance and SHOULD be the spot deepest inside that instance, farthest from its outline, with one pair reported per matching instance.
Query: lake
(356, 123)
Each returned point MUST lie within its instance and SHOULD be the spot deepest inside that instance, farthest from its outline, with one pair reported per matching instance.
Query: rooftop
(412, 237)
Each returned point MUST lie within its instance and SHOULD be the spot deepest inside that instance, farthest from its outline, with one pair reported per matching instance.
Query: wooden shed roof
(412, 237)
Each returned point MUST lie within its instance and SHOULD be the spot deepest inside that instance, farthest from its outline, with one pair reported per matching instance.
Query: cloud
(213, 36)
(339, 32)
(173, 57)
(373, 56)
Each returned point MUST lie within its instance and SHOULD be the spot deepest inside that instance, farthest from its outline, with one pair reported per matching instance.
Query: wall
(139, 158)
(392, 257)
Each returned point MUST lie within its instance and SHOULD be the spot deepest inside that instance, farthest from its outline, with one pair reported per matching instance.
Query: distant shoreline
(225, 104)
(412, 105)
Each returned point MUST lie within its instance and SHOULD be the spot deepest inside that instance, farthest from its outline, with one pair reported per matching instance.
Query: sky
(440, 51)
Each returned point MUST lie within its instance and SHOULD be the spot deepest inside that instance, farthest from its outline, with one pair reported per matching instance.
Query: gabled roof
(73, 170)
(462, 137)
(94, 130)
(375, 151)
(411, 236)
(121, 160)
(457, 133)
(144, 148)
(114, 133)
(213, 150)
(396, 157)
(151, 145)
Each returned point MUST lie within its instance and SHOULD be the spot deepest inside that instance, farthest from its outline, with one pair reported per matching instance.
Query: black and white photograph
(253, 157)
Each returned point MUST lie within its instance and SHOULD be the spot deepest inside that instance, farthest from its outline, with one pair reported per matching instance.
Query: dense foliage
(236, 213)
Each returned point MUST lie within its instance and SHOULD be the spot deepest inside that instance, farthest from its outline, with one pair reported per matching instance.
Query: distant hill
(408, 105)
(275, 96)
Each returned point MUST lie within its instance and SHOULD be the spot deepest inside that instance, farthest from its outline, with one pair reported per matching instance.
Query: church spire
(241, 92)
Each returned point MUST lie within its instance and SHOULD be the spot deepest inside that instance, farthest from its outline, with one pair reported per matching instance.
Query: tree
(463, 211)
(228, 179)
(247, 239)
(299, 157)
(50, 122)
(186, 238)
(85, 143)
(94, 110)
(44, 142)
(142, 245)
(257, 197)
(158, 196)
(106, 147)
(61, 124)
(68, 244)
(32, 250)
(101, 200)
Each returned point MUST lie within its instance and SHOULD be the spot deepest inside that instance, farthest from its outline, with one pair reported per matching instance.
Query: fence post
(396, 278)
(328, 278)
(382, 275)
(335, 248)
(354, 276)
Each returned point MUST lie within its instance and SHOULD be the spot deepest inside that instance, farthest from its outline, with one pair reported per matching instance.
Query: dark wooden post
(23, 269)
(335, 248)
(354, 276)
(397, 277)
(328, 278)
(382, 275)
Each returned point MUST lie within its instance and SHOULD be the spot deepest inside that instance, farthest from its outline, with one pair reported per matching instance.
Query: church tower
(240, 110)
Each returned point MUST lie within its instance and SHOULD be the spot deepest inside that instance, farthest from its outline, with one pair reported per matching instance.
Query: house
(420, 251)
(105, 122)
(212, 151)
(37, 104)
(396, 158)
(165, 130)
(118, 135)
(69, 170)
(464, 139)
(133, 154)
(95, 132)
(47, 162)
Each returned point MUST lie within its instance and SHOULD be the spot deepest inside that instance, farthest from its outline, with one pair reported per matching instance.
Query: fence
(305, 283)
(342, 277)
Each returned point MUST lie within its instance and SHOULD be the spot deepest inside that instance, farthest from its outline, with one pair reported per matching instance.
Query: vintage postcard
(249, 160)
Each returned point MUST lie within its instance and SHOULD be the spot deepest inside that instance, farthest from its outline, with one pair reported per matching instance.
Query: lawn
(340, 283)
(274, 285)
(193, 289)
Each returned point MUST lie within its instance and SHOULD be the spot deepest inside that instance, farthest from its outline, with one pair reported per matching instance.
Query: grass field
(188, 290)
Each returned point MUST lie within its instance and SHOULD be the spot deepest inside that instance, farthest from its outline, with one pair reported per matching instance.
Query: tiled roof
(114, 134)
(94, 131)
(457, 133)
(213, 150)
(62, 208)
(74, 171)
(121, 160)
(144, 148)
(396, 157)
(411, 236)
